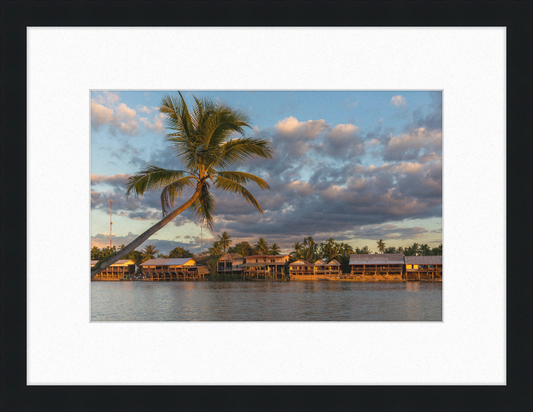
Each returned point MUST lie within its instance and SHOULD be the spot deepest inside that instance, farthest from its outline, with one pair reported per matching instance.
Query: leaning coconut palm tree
(202, 139)
(225, 240)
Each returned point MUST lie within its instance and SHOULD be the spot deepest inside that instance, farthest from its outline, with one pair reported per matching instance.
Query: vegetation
(203, 139)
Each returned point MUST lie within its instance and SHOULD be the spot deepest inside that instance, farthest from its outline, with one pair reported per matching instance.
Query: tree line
(149, 252)
(308, 250)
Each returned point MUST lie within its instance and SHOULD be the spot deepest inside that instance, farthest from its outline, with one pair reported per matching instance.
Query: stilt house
(386, 265)
(173, 269)
(301, 267)
(230, 263)
(423, 267)
(121, 269)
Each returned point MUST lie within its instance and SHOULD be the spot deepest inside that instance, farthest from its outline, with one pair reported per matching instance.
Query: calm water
(272, 301)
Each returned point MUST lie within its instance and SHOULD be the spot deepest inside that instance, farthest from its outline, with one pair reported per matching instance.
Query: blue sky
(357, 166)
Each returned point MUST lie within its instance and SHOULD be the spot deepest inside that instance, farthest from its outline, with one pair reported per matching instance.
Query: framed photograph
(475, 354)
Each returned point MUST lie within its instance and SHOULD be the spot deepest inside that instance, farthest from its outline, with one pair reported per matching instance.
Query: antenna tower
(110, 222)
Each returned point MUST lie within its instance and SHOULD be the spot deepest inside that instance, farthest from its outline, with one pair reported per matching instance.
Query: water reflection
(272, 301)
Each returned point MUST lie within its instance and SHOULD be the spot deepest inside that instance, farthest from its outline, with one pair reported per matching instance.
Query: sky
(355, 166)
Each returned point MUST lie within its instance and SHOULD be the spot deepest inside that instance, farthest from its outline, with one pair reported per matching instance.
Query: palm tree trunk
(137, 242)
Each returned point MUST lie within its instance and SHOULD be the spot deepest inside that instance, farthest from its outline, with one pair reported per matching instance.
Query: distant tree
(95, 253)
(261, 247)
(149, 252)
(345, 249)
(391, 249)
(298, 251)
(329, 249)
(215, 249)
(400, 250)
(274, 249)
(179, 252)
(381, 245)
(136, 256)
(365, 250)
(225, 240)
(243, 248)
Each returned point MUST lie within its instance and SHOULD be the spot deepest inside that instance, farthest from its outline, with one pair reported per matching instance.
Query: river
(266, 300)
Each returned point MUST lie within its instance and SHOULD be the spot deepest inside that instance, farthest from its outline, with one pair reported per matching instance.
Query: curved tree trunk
(137, 242)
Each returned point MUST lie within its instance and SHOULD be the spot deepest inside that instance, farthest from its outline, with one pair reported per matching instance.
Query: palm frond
(237, 151)
(231, 186)
(173, 190)
(243, 178)
(152, 177)
(204, 207)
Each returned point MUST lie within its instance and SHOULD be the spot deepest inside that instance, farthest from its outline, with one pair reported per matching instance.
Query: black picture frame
(516, 16)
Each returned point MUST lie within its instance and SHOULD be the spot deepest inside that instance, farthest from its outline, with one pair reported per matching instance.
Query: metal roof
(377, 259)
(334, 262)
(300, 262)
(423, 260)
(167, 262)
(118, 262)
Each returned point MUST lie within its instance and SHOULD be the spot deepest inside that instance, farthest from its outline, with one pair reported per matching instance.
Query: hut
(335, 267)
(230, 263)
(265, 265)
(121, 269)
(160, 270)
(386, 266)
(423, 268)
(322, 267)
(301, 268)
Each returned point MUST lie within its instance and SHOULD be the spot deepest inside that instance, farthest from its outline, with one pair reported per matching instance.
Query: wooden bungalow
(230, 263)
(301, 268)
(161, 270)
(266, 266)
(387, 266)
(423, 268)
(323, 268)
(121, 269)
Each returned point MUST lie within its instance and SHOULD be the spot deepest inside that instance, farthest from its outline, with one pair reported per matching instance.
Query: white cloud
(398, 101)
(157, 123)
(145, 109)
(309, 130)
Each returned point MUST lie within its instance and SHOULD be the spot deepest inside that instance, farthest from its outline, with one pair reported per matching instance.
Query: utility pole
(110, 222)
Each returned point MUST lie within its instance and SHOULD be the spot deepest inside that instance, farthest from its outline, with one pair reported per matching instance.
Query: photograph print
(266, 205)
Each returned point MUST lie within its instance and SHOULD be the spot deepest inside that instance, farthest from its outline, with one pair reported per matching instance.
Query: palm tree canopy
(202, 139)
(225, 240)
(149, 252)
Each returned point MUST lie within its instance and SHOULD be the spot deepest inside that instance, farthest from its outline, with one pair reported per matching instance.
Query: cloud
(398, 101)
(157, 123)
(121, 119)
(145, 109)
(411, 145)
(291, 127)
(347, 104)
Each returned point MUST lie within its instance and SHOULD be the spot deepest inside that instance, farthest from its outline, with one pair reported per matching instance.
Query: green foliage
(224, 240)
(149, 252)
(203, 140)
(179, 252)
(261, 248)
(243, 248)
